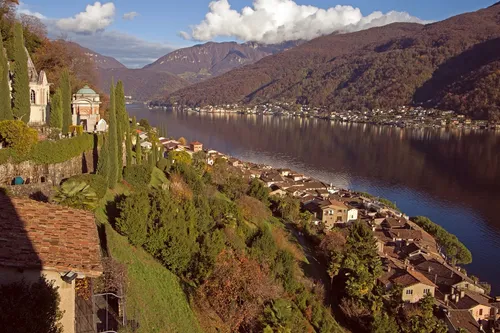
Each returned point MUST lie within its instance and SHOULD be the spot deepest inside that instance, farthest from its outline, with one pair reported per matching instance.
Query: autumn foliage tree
(237, 289)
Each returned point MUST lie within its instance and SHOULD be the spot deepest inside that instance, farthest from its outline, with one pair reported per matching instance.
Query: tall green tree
(103, 163)
(128, 146)
(65, 87)
(138, 149)
(56, 113)
(361, 261)
(114, 167)
(20, 81)
(133, 126)
(5, 101)
(121, 116)
(154, 152)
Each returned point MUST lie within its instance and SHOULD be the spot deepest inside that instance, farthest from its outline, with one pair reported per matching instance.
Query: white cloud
(184, 35)
(131, 51)
(25, 9)
(95, 18)
(130, 16)
(274, 21)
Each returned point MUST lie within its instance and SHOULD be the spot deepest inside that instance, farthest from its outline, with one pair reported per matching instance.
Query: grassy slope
(155, 297)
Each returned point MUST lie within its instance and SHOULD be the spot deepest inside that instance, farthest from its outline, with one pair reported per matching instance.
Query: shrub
(179, 157)
(258, 190)
(97, 182)
(17, 135)
(137, 175)
(145, 124)
(76, 194)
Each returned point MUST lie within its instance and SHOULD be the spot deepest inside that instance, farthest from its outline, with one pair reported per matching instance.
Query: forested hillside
(142, 84)
(449, 64)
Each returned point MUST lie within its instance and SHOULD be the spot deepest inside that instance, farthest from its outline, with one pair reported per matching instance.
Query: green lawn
(154, 296)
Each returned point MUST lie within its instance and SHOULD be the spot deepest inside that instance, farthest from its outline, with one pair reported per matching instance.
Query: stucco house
(329, 212)
(415, 286)
(39, 95)
(196, 146)
(85, 109)
(40, 239)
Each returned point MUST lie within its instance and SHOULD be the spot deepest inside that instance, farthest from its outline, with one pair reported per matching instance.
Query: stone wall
(47, 173)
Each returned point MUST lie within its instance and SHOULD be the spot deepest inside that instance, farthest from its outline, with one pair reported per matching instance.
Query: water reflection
(451, 176)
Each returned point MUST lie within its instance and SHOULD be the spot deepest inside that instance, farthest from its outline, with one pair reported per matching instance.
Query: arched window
(33, 97)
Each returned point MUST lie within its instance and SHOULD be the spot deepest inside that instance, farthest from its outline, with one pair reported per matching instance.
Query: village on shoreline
(402, 117)
(411, 257)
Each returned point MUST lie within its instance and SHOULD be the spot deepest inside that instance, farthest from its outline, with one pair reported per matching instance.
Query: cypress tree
(65, 86)
(138, 150)
(113, 141)
(151, 160)
(103, 163)
(56, 116)
(121, 114)
(162, 152)
(154, 153)
(134, 123)
(128, 146)
(20, 81)
(5, 101)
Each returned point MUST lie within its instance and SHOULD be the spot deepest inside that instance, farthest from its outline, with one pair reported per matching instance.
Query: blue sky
(157, 24)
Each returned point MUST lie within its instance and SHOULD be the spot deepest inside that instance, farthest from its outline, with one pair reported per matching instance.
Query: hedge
(52, 152)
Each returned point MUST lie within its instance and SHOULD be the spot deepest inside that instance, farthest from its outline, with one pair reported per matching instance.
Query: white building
(85, 109)
(39, 95)
(352, 215)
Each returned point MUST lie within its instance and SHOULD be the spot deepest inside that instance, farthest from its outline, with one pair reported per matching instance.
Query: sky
(139, 32)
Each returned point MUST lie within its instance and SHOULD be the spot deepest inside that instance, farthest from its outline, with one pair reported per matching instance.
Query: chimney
(429, 269)
(435, 278)
(451, 274)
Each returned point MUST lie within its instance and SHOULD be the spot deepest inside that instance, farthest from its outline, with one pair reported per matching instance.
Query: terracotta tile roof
(463, 319)
(410, 277)
(406, 234)
(36, 235)
(196, 143)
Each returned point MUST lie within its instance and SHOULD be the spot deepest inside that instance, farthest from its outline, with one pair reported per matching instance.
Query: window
(33, 97)
(427, 291)
(480, 312)
(409, 291)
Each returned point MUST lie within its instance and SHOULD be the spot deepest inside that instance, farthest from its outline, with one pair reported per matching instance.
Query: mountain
(142, 84)
(101, 61)
(452, 64)
(203, 61)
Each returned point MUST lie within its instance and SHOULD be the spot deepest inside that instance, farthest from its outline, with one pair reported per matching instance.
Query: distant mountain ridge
(452, 64)
(181, 68)
(101, 61)
(211, 59)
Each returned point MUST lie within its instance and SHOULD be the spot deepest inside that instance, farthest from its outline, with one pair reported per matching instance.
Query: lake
(450, 176)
